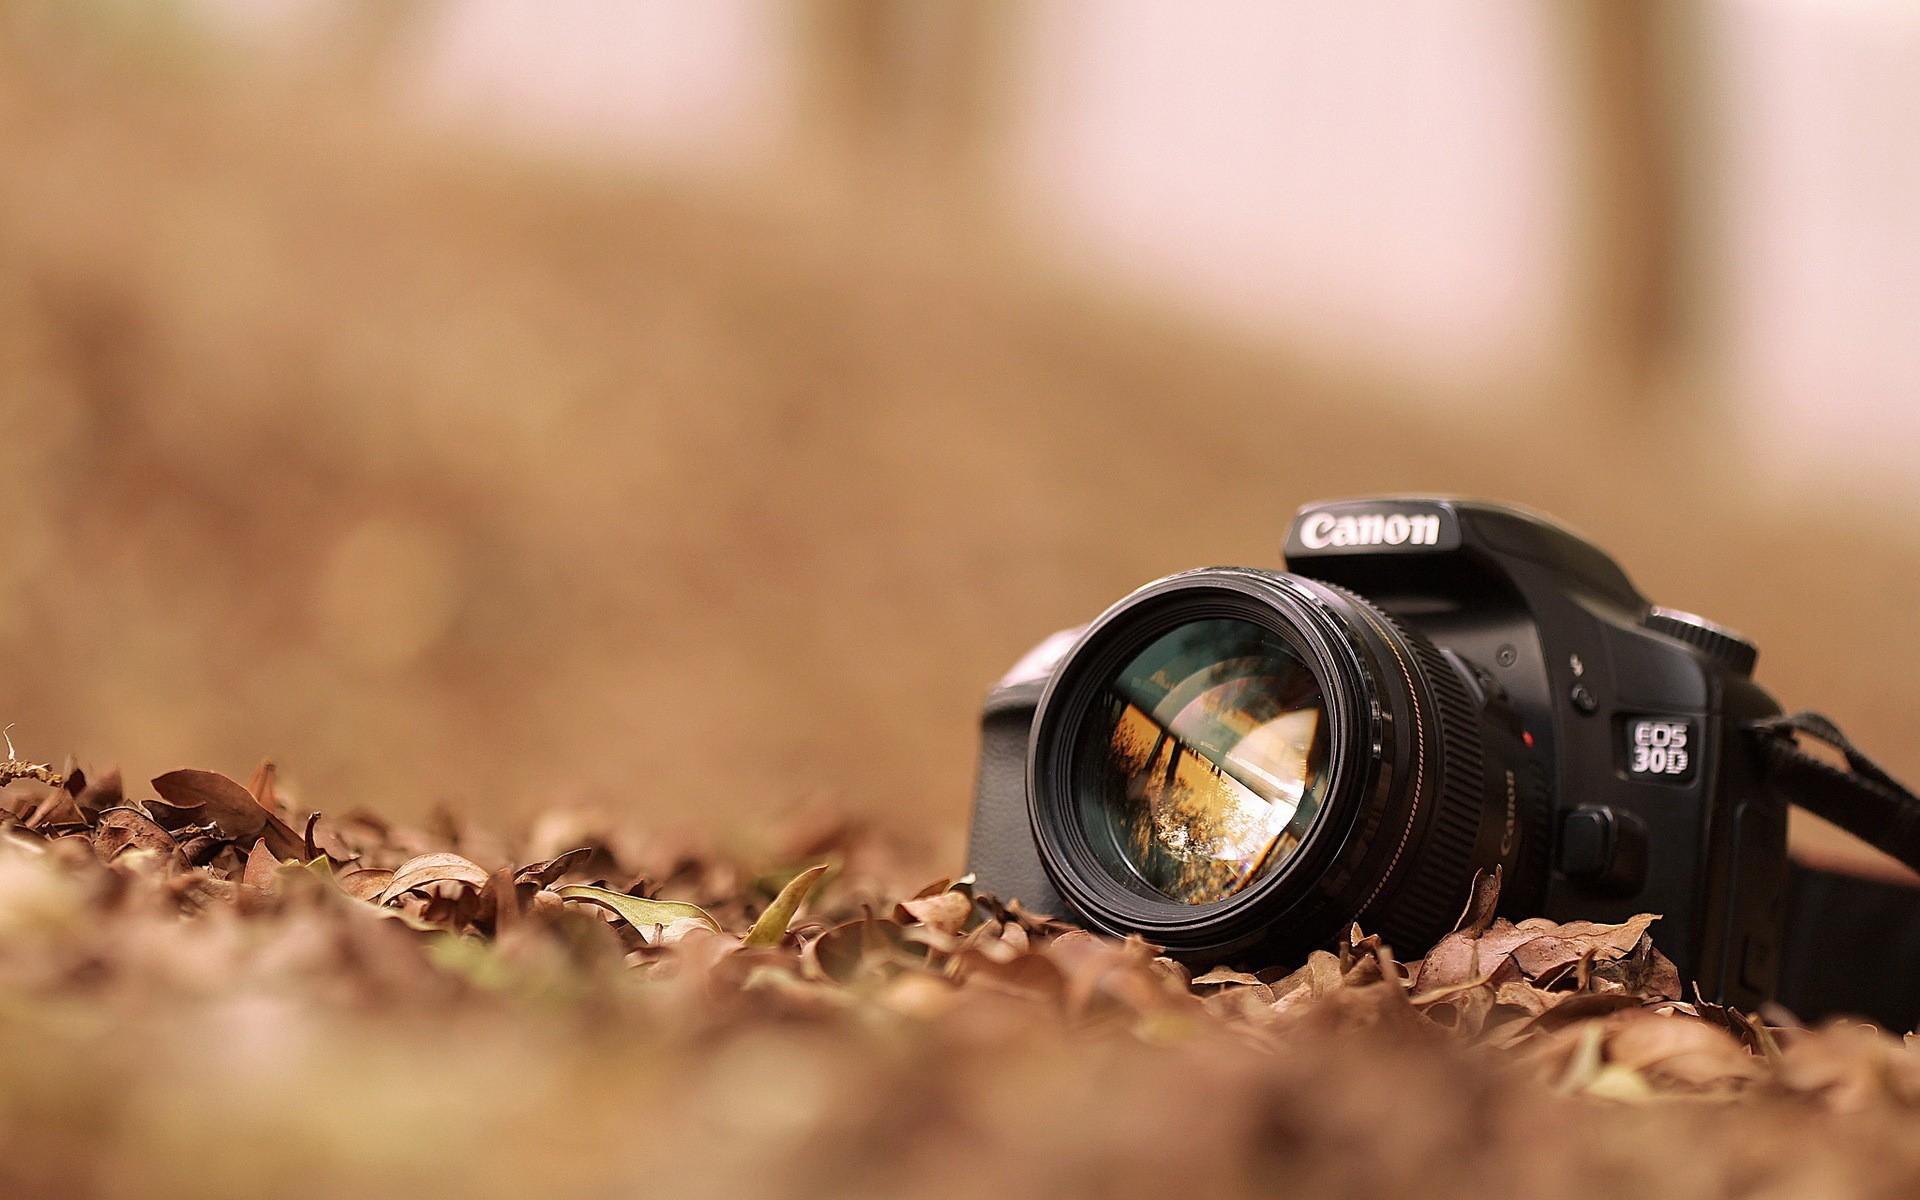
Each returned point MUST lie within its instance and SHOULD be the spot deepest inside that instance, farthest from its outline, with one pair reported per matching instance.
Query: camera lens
(1238, 764)
(1206, 760)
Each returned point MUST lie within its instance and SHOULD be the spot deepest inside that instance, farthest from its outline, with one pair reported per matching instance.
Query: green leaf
(636, 911)
(772, 925)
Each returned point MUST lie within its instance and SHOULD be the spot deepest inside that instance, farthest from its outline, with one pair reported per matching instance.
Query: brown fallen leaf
(1644, 971)
(1465, 957)
(1482, 902)
(1105, 976)
(229, 806)
(101, 793)
(866, 948)
(1565, 947)
(261, 865)
(498, 904)
(1014, 936)
(261, 787)
(364, 883)
(58, 808)
(541, 874)
(425, 870)
(1226, 975)
(1679, 1051)
(945, 911)
(1581, 1006)
(1462, 1010)
(174, 818)
(121, 829)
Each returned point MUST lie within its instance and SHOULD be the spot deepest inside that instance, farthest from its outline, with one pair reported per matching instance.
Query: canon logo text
(1321, 530)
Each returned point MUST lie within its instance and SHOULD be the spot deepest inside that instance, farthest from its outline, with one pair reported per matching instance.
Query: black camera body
(1483, 689)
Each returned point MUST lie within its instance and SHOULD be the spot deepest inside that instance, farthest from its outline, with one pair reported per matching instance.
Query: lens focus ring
(1440, 876)
(1425, 887)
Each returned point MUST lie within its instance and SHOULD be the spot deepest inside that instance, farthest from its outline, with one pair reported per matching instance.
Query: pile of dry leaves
(210, 992)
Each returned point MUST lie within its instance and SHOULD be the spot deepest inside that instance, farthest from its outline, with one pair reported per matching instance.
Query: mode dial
(1717, 642)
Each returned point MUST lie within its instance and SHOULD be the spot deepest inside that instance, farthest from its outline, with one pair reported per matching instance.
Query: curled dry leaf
(261, 787)
(1533, 950)
(230, 807)
(1227, 975)
(945, 911)
(174, 817)
(425, 870)
(121, 829)
(365, 883)
(1565, 946)
(1692, 1054)
(637, 911)
(259, 873)
(677, 931)
(101, 793)
(1481, 903)
(541, 874)
(862, 949)
(57, 808)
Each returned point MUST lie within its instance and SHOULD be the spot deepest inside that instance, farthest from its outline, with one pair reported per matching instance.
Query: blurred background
(695, 406)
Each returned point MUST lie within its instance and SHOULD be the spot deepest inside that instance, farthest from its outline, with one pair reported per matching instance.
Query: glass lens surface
(1203, 765)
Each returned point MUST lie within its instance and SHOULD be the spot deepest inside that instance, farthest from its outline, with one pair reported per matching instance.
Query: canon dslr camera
(1237, 764)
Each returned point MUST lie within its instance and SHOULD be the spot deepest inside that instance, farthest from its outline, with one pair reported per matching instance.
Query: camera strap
(1863, 799)
(1851, 944)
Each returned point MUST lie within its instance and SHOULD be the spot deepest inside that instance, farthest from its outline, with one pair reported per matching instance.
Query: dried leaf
(261, 865)
(261, 787)
(57, 808)
(1481, 903)
(101, 794)
(425, 870)
(1581, 1006)
(174, 818)
(122, 829)
(1223, 975)
(1680, 1051)
(855, 949)
(499, 902)
(944, 911)
(637, 911)
(1564, 948)
(229, 806)
(543, 873)
(365, 883)
(1464, 1010)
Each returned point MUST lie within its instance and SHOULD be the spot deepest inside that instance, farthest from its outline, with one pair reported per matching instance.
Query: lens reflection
(1206, 765)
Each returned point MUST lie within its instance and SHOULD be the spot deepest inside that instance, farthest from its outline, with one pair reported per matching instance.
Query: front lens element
(1204, 765)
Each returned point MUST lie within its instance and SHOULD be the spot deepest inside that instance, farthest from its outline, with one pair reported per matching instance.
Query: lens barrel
(1415, 777)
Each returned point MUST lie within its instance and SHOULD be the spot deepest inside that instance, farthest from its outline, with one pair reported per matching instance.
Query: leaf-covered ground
(206, 991)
